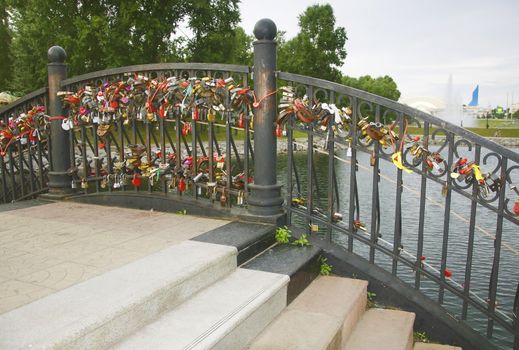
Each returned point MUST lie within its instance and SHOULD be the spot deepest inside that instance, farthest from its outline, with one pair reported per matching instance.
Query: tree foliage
(383, 86)
(113, 33)
(5, 46)
(318, 49)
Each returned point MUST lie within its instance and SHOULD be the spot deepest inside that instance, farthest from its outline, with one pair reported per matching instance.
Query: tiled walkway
(49, 247)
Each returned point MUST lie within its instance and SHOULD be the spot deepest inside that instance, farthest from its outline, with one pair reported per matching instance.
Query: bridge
(429, 220)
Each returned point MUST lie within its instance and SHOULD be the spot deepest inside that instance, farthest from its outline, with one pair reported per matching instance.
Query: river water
(434, 220)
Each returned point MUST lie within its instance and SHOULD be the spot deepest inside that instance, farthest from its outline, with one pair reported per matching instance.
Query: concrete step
(226, 315)
(427, 346)
(382, 329)
(319, 318)
(107, 308)
(249, 238)
(300, 263)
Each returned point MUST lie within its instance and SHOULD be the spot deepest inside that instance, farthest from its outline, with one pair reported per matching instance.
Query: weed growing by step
(371, 299)
(302, 241)
(421, 337)
(326, 268)
(283, 235)
(181, 212)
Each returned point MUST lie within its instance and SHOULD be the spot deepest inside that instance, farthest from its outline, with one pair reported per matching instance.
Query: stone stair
(193, 295)
(331, 315)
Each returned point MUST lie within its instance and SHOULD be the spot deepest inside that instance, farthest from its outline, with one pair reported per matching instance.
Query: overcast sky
(420, 42)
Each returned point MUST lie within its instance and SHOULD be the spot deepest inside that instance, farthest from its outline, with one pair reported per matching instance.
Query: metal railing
(336, 189)
(24, 157)
(188, 144)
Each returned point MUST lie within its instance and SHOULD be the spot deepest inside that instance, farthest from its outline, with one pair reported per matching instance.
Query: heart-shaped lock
(181, 184)
(136, 180)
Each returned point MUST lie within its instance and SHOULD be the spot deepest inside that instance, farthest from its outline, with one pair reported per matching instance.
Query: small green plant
(283, 235)
(421, 337)
(326, 268)
(302, 241)
(371, 299)
(181, 212)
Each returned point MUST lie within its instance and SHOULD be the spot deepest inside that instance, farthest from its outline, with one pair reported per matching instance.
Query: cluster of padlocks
(314, 114)
(24, 129)
(143, 99)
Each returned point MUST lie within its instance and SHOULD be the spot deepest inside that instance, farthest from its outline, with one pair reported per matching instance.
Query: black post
(59, 180)
(265, 198)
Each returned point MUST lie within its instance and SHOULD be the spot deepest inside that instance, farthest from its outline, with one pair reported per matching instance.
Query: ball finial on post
(265, 29)
(56, 54)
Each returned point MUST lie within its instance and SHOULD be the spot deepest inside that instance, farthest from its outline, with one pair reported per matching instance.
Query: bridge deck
(49, 246)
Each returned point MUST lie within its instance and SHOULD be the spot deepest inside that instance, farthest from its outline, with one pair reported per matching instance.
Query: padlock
(445, 189)
(239, 198)
(314, 228)
(84, 184)
(348, 151)
(223, 199)
(516, 207)
(279, 131)
(181, 184)
(211, 115)
(73, 184)
(373, 158)
(136, 180)
(220, 162)
(493, 182)
(103, 182)
(336, 217)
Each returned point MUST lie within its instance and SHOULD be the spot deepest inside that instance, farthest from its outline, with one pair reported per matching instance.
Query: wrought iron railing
(171, 129)
(336, 189)
(24, 156)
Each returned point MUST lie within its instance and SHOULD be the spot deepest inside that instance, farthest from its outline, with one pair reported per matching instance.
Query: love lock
(298, 201)
(223, 198)
(493, 182)
(211, 190)
(239, 198)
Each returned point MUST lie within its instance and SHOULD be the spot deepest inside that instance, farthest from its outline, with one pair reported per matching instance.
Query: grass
(490, 132)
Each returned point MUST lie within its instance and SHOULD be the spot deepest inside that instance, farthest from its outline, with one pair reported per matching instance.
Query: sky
(419, 43)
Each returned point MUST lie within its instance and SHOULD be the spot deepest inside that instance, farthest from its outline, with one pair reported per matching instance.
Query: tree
(318, 49)
(383, 86)
(5, 46)
(114, 33)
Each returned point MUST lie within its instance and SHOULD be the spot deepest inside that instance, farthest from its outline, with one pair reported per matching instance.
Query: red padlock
(279, 131)
(101, 145)
(241, 121)
(136, 181)
(516, 207)
(447, 273)
(195, 114)
(181, 185)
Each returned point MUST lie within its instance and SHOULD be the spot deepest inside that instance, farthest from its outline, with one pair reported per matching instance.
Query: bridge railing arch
(341, 191)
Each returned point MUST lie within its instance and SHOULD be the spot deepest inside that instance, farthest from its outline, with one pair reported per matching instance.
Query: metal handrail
(304, 207)
(156, 67)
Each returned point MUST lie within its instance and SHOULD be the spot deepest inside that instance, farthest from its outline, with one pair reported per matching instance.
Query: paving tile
(109, 258)
(14, 294)
(145, 244)
(24, 264)
(61, 276)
